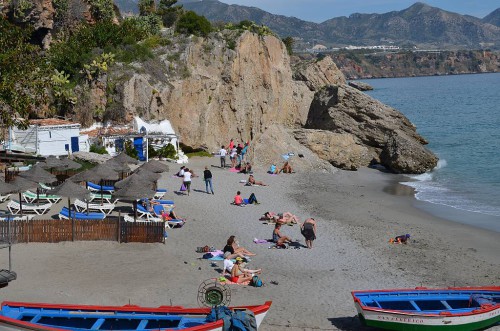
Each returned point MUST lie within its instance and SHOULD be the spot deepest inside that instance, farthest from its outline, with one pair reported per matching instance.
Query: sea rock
(360, 86)
(403, 154)
(343, 150)
(343, 109)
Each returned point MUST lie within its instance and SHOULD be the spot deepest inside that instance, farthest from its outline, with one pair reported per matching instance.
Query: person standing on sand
(232, 157)
(223, 154)
(231, 144)
(207, 177)
(187, 180)
(308, 230)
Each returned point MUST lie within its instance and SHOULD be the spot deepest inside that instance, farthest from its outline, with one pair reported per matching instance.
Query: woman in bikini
(235, 249)
(238, 276)
(278, 238)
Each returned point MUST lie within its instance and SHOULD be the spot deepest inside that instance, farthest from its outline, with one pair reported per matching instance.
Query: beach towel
(216, 258)
(262, 241)
(234, 170)
(227, 281)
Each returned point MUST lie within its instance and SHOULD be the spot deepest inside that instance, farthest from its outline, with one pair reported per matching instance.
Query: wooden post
(118, 227)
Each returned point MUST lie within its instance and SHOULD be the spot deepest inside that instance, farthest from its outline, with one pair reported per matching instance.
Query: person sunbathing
(228, 266)
(281, 218)
(287, 168)
(278, 238)
(273, 170)
(148, 204)
(236, 250)
(251, 180)
(237, 275)
(246, 168)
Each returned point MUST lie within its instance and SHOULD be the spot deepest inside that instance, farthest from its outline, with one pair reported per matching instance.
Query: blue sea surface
(460, 117)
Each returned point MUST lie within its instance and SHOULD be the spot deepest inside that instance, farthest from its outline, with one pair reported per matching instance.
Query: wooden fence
(54, 231)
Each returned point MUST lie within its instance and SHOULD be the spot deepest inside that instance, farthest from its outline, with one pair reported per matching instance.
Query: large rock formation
(345, 110)
(211, 93)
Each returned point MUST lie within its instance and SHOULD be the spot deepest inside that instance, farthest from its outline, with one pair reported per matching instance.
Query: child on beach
(403, 239)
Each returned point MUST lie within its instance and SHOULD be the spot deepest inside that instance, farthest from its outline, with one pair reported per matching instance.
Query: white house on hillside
(50, 136)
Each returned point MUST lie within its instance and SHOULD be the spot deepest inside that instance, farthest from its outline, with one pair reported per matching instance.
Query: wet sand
(357, 214)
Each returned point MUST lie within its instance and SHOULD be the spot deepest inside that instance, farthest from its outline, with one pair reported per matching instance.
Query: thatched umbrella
(21, 185)
(39, 175)
(99, 173)
(136, 188)
(120, 167)
(154, 166)
(124, 158)
(71, 190)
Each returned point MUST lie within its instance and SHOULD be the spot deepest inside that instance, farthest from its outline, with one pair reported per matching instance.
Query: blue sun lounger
(96, 187)
(64, 214)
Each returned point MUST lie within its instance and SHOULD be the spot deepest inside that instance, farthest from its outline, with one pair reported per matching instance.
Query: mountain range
(419, 25)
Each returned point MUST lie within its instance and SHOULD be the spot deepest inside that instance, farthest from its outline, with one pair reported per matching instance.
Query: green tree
(147, 7)
(192, 23)
(130, 149)
(102, 10)
(289, 41)
(24, 75)
(166, 4)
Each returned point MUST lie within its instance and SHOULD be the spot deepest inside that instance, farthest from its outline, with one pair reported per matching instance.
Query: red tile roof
(108, 131)
(51, 122)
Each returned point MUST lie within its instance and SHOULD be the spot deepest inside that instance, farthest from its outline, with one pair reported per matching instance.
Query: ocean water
(460, 117)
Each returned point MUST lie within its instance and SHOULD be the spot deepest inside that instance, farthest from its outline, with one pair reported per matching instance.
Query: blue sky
(321, 10)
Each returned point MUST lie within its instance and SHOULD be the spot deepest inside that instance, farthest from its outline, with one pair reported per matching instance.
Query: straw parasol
(21, 185)
(124, 158)
(154, 166)
(70, 190)
(99, 173)
(38, 174)
(136, 188)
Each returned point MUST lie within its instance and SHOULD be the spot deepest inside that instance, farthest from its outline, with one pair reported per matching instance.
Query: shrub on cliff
(24, 76)
(192, 23)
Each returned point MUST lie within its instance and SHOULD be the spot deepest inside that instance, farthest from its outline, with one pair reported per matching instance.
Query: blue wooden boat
(56, 317)
(419, 309)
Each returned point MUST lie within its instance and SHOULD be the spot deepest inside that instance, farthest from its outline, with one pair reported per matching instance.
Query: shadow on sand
(349, 324)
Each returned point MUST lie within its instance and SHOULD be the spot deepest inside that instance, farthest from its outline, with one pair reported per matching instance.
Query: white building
(49, 136)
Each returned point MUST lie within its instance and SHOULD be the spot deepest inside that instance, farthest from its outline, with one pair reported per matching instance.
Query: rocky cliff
(212, 93)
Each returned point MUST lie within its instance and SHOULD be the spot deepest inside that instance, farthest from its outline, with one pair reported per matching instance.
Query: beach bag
(183, 187)
(256, 281)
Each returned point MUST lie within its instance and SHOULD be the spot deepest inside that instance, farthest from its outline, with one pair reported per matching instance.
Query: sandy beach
(357, 214)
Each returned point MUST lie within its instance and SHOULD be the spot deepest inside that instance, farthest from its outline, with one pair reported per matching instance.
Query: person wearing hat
(238, 275)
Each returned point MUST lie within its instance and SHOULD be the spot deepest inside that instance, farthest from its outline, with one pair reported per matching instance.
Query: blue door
(75, 145)
(138, 144)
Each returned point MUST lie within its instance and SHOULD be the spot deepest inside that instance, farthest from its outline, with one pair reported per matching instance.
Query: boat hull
(419, 309)
(408, 322)
(45, 317)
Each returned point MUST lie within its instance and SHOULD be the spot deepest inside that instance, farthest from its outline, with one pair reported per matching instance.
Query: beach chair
(32, 197)
(105, 208)
(45, 187)
(4, 198)
(160, 192)
(14, 207)
(128, 218)
(105, 196)
(64, 214)
(97, 188)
